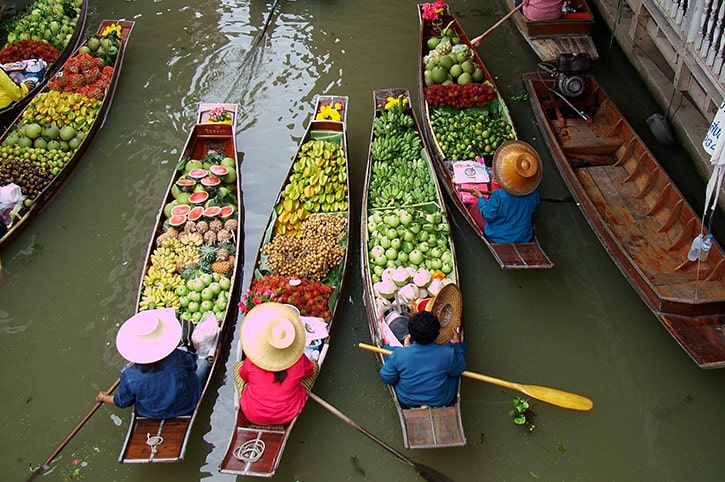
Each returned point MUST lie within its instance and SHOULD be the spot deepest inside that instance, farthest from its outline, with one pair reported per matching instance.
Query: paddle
(545, 394)
(477, 41)
(424, 471)
(42, 467)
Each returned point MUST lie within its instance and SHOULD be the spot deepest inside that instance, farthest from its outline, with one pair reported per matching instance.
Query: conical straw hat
(148, 336)
(273, 336)
(517, 167)
(448, 307)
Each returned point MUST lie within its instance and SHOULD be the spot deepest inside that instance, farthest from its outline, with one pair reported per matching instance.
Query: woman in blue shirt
(423, 372)
(507, 215)
(162, 380)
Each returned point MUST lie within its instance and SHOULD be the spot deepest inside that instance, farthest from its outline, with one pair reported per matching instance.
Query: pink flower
(431, 11)
(75, 462)
(256, 300)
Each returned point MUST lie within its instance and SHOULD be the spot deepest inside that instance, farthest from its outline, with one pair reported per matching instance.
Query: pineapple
(207, 257)
(222, 267)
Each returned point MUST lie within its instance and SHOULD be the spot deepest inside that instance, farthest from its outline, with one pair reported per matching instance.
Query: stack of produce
(407, 232)
(192, 264)
(48, 21)
(465, 110)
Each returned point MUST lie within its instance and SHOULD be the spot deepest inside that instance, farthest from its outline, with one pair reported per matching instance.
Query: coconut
(400, 276)
(422, 278)
(435, 286)
(409, 292)
(387, 274)
(385, 289)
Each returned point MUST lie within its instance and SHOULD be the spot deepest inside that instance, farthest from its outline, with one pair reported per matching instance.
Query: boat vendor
(162, 380)
(274, 377)
(507, 215)
(536, 10)
(19, 78)
(425, 371)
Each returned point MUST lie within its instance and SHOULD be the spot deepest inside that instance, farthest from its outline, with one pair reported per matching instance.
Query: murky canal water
(70, 279)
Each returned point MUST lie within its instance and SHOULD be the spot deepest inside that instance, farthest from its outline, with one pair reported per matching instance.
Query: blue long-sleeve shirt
(167, 393)
(509, 218)
(425, 374)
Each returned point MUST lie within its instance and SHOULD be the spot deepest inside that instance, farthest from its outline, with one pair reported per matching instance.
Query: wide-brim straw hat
(149, 336)
(273, 336)
(517, 167)
(448, 307)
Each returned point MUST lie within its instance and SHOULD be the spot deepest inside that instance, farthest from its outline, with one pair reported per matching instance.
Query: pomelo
(455, 70)
(446, 61)
(464, 78)
(33, 131)
(468, 66)
(439, 74)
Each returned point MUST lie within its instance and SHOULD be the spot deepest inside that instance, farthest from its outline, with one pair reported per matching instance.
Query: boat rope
(154, 441)
(250, 451)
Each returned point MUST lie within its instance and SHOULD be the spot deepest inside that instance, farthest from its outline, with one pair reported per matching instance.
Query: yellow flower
(329, 111)
(399, 102)
(113, 28)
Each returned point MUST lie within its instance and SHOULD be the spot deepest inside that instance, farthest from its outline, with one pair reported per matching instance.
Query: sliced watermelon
(198, 197)
(198, 173)
(219, 171)
(212, 212)
(177, 220)
(210, 181)
(181, 210)
(195, 213)
(226, 211)
(185, 185)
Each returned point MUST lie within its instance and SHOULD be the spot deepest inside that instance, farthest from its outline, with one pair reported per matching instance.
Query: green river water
(70, 279)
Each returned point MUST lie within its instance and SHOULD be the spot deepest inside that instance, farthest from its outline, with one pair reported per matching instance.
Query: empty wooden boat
(637, 213)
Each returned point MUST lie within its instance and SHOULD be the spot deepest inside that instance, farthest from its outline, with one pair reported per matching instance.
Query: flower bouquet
(220, 116)
(330, 111)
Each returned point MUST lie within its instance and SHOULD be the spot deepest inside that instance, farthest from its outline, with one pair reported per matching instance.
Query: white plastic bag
(11, 199)
(205, 336)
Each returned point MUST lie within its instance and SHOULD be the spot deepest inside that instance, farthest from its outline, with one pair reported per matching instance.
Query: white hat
(273, 336)
(149, 336)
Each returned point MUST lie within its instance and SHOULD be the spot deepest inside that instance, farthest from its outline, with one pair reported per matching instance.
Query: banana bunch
(158, 297)
(390, 122)
(406, 145)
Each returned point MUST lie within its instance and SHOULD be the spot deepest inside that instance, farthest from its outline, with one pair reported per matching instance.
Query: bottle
(705, 248)
(694, 252)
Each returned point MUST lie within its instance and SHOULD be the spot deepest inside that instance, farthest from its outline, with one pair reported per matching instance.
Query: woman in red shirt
(273, 340)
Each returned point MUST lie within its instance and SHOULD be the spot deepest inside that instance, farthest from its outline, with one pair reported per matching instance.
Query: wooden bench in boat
(433, 427)
(142, 448)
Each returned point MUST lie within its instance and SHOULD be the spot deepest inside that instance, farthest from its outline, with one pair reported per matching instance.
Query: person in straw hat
(507, 215)
(423, 372)
(161, 381)
(273, 340)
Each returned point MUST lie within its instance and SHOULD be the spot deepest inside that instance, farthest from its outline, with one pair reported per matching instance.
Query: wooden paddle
(424, 471)
(42, 467)
(477, 41)
(545, 394)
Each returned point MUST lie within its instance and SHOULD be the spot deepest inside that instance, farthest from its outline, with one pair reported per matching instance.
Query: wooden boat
(64, 161)
(217, 260)
(314, 195)
(570, 33)
(407, 169)
(7, 114)
(495, 117)
(637, 213)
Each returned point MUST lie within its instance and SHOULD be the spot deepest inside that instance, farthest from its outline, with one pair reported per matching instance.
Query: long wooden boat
(196, 245)
(637, 213)
(570, 33)
(314, 199)
(7, 114)
(407, 250)
(486, 127)
(75, 119)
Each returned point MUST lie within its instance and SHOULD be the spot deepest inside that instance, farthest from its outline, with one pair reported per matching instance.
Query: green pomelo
(477, 75)
(33, 131)
(468, 66)
(446, 61)
(40, 143)
(455, 70)
(464, 78)
(439, 74)
(67, 133)
(433, 42)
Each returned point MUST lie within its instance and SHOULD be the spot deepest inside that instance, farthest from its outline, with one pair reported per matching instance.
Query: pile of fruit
(310, 297)
(29, 49)
(406, 228)
(55, 123)
(50, 21)
(449, 61)
(193, 261)
(318, 184)
(466, 135)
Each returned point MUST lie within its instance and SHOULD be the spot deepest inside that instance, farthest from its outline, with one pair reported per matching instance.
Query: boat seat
(579, 137)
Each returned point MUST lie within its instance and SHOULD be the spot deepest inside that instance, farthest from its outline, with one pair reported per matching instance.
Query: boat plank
(431, 428)
(172, 431)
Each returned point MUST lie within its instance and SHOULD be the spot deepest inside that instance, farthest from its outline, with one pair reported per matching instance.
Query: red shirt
(267, 403)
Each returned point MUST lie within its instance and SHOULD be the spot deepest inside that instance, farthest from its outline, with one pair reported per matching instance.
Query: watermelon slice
(198, 173)
(195, 213)
(177, 220)
(198, 197)
(210, 181)
(185, 185)
(181, 210)
(212, 212)
(226, 212)
(219, 171)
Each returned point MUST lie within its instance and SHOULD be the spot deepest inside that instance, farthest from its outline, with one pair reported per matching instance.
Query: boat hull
(638, 214)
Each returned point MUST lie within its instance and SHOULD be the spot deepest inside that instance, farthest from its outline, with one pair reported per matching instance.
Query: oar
(42, 467)
(477, 41)
(545, 394)
(424, 471)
